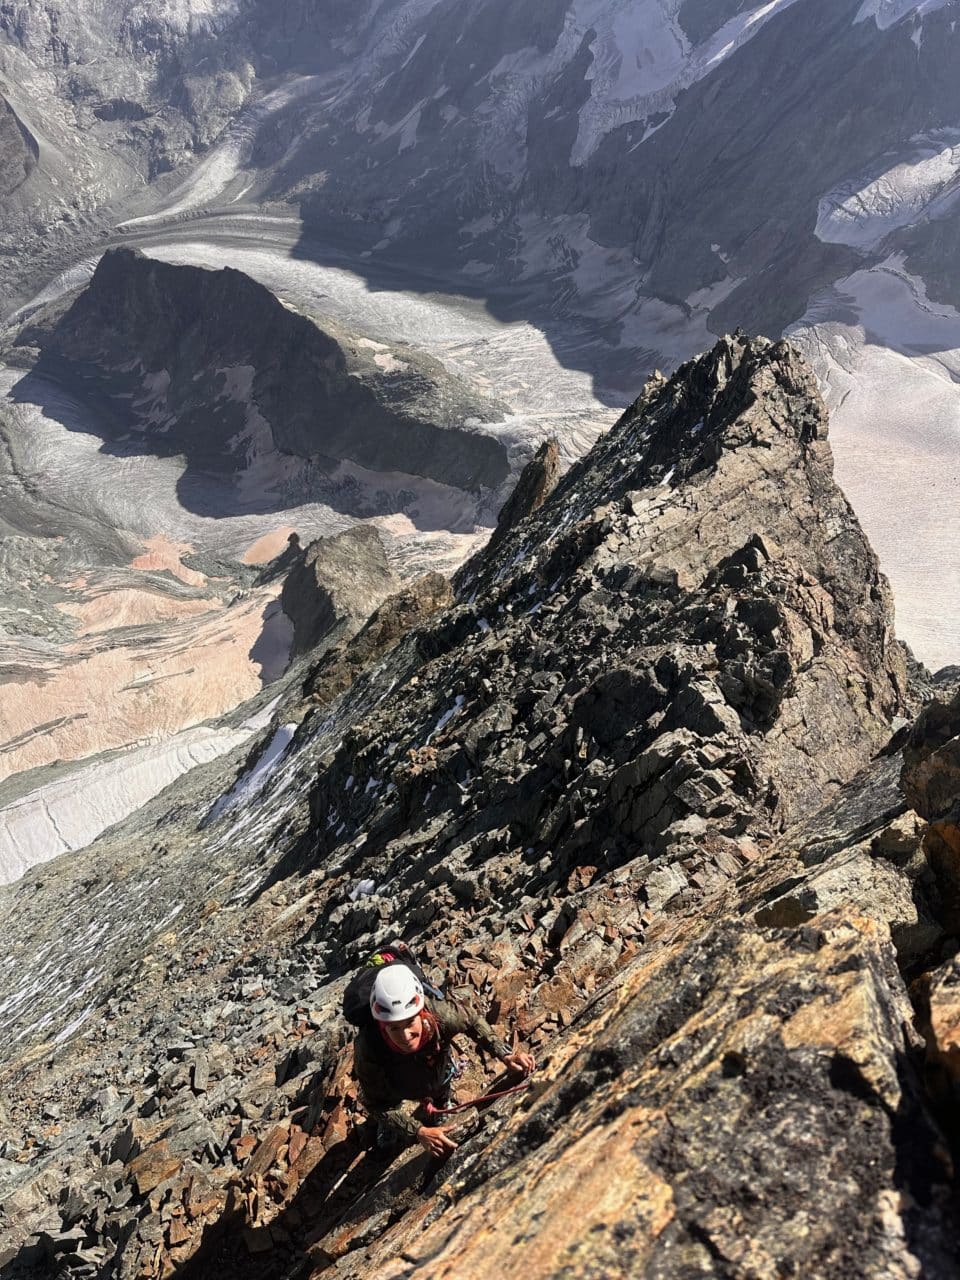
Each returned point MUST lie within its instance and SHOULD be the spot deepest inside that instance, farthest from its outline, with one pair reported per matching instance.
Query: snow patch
(254, 780)
(389, 363)
(362, 889)
(886, 13)
(862, 213)
(446, 717)
(642, 60)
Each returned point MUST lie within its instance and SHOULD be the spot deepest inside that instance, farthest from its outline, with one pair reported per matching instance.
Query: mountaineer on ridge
(403, 1057)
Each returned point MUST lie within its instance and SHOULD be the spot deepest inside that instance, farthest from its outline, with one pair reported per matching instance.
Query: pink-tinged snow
(268, 546)
(163, 554)
(862, 213)
(890, 373)
(117, 685)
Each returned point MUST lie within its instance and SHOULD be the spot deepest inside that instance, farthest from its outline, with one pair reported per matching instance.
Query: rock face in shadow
(211, 365)
(535, 484)
(931, 783)
(335, 587)
(619, 136)
(627, 792)
(18, 151)
(931, 767)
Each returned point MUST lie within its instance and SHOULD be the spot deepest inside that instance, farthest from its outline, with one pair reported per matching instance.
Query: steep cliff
(335, 585)
(634, 791)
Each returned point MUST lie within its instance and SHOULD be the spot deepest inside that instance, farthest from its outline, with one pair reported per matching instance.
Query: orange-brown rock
(203, 1196)
(268, 1151)
(152, 1167)
(615, 793)
(940, 1004)
(734, 1104)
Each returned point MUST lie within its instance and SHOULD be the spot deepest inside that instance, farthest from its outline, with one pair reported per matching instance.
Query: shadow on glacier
(63, 396)
(548, 303)
(271, 650)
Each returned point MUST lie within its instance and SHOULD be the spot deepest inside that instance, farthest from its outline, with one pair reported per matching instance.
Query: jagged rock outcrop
(335, 586)
(211, 365)
(937, 995)
(931, 768)
(537, 481)
(864, 847)
(386, 626)
(684, 649)
(18, 150)
(931, 783)
(626, 791)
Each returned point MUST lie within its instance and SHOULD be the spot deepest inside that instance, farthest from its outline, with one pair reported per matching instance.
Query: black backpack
(356, 995)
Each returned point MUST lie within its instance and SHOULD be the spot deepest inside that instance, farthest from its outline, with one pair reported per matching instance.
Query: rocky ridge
(627, 791)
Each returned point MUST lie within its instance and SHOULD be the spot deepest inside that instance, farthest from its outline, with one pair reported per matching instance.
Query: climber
(403, 1057)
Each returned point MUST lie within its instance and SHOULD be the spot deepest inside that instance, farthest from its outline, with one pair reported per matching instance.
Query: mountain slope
(624, 790)
(630, 181)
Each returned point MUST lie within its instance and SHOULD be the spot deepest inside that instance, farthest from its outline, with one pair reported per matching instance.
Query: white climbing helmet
(397, 994)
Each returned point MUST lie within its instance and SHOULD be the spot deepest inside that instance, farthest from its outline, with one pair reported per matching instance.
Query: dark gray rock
(535, 484)
(335, 586)
(19, 150)
(173, 337)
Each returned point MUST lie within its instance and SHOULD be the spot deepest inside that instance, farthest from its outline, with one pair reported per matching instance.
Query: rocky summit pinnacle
(334, 586)
(634, 790)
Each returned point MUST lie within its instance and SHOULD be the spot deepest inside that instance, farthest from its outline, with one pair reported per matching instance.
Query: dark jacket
(393, 1085)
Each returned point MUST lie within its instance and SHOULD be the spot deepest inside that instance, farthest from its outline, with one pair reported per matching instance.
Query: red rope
(433, 1110)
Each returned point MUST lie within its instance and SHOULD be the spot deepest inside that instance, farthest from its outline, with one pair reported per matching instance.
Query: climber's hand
(521, 1063)
(436, 1141)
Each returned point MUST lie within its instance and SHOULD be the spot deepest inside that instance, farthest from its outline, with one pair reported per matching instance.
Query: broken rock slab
(741, 1103)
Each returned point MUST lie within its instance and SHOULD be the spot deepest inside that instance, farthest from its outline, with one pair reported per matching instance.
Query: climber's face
(406, 1035)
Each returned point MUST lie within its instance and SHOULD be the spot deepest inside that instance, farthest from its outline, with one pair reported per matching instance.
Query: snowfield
(886, 13)
(890, 373)
(71, 812)
(925, 186)
(643, 60)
